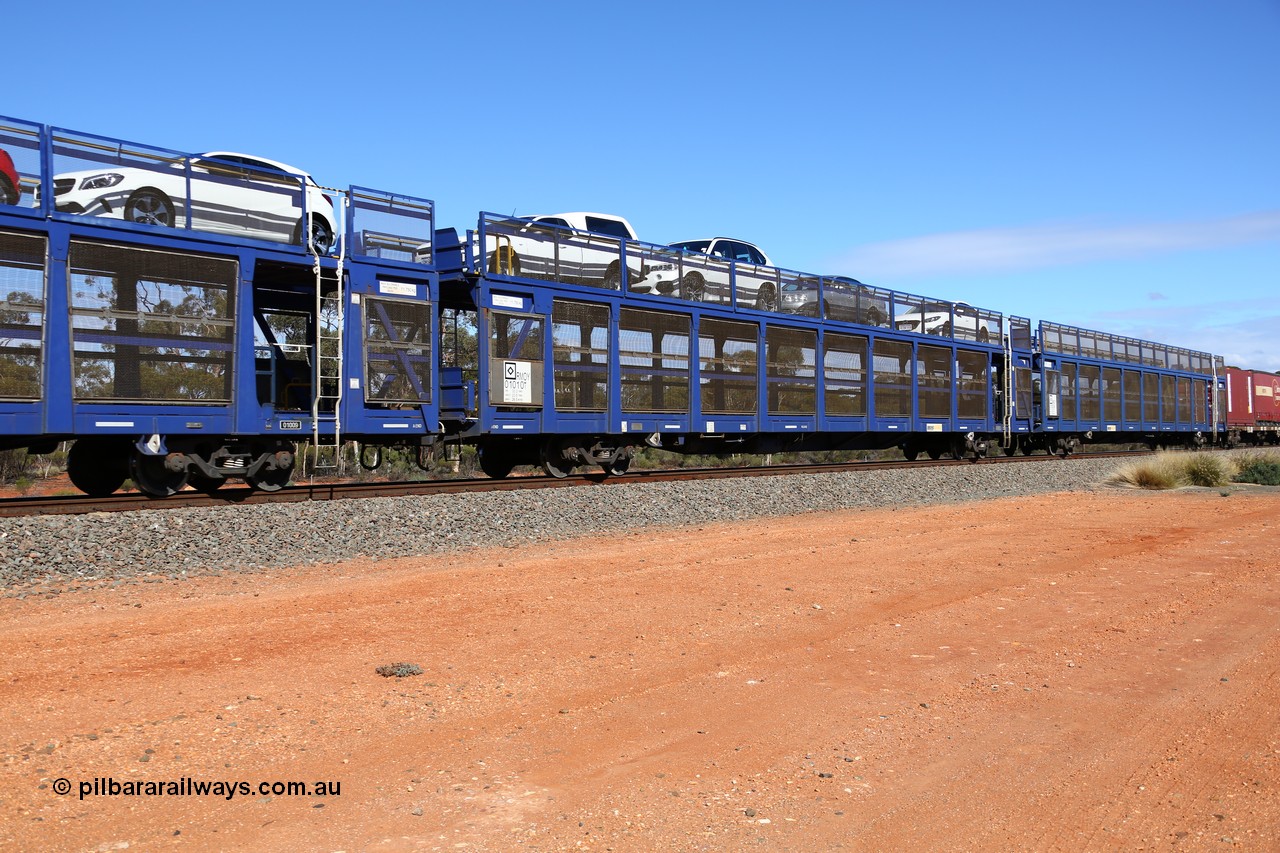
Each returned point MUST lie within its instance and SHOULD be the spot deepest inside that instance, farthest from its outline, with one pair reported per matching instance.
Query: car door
(218, 196)
(271, 200)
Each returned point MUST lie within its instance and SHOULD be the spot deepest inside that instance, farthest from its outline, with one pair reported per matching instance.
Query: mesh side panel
(1023, 390)
(653, 361)
(1020, 334)
(933, 382)
(892, 365)
(397, 351)
(515, 336)
(1111, 394)
(1132, 396)
(791, 368)
(1090, 393)
(844, 366)
(973, 385)
(1168, 402)
(580, 342)
(729, 358)
(1150, 397)
(151, 326)
(22, 259)
(1200, 400)
(1068, 393)
(1184, 400)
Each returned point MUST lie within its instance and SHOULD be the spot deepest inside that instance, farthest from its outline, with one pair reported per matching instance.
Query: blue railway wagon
(1098, 386)
(581, 371)
(181, 350)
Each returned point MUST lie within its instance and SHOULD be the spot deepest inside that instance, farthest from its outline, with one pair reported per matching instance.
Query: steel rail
(133, 501)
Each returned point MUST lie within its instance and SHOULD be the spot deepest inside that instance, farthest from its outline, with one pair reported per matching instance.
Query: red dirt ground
(1077, 672)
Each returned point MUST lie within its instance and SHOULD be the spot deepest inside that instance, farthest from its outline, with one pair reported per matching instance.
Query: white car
(578, 247)
(936, 318)
(709, 282)
(230, 194)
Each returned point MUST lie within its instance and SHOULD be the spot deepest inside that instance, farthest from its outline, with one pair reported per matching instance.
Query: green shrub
(1262, 469)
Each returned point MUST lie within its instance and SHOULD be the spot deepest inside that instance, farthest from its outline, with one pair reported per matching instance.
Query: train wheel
(911, 453)
(935, 453)
(97, 467)
(275, 477)
(620, 464)
(154, 478)
(271, 481)
(553, 461)
(495, 463)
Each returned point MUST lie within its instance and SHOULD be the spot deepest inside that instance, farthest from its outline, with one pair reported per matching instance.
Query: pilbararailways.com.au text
(106, 786)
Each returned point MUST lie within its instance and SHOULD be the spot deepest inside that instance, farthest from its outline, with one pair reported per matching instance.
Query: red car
(10, 183)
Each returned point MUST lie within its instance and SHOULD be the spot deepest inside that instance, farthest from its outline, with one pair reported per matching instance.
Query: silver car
(842, 299)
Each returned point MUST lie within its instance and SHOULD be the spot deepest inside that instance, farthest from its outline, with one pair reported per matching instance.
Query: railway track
(133, 501)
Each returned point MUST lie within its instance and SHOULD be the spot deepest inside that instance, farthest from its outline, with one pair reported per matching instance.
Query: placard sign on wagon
(517, 382)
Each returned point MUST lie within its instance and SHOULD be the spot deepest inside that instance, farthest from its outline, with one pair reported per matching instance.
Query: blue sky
(1113, 165)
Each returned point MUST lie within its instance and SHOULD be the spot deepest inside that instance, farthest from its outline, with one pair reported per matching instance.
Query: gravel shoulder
(1084, 670)
(61, 552)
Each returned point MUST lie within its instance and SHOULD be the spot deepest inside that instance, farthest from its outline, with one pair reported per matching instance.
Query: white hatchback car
(230, 193)
(757, 282)
(935, 318)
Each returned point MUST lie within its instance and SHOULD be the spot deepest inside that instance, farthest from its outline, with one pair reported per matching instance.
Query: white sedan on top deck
(230, 193)
(936, 318)
(710, 282)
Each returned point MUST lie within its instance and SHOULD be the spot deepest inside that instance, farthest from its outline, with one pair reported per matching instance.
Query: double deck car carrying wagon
(177, 347)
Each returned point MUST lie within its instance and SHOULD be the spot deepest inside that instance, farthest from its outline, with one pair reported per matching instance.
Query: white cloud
(1039, 246)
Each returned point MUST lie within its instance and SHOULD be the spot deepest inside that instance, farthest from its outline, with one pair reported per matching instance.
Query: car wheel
(984, 336)
(321, 235)
(150, 207)
(875, 317)
(612, 277)
(9, 194)
(693, 287)
(767, 298)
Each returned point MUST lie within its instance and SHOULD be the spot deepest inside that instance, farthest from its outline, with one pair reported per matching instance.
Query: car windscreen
(693, 246)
